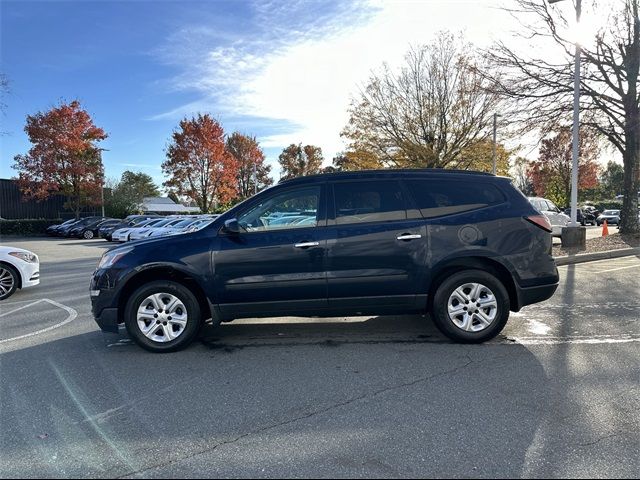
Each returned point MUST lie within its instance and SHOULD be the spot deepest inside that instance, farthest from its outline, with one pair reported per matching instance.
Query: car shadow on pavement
(588, 388)
(353, 399)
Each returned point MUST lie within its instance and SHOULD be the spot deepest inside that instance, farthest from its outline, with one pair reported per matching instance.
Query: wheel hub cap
(6, 281)
(162, 317)
(472, 307)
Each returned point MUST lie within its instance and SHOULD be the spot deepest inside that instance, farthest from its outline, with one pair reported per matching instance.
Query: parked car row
(587, 215)
(161, 226)
(133, 227)
(86, 227)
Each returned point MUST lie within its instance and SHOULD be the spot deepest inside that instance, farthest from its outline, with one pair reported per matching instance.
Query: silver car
(553, 214)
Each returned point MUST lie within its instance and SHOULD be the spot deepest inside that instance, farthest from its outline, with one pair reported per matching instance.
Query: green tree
(612, 181)
(297, 161)
(127, 194)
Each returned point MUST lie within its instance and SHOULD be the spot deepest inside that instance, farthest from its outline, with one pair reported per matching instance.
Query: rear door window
(435, 197)
(370, 201)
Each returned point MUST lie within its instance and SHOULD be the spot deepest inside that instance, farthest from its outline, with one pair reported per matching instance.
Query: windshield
(184, 223)
(611, 212)
(161, 223)
(140, 220)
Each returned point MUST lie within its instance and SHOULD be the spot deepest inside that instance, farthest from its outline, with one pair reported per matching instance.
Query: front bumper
(104, 301)
(30, 274)
(107, 320)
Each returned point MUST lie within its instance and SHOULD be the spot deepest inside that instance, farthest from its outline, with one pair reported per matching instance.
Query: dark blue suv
(467, 247)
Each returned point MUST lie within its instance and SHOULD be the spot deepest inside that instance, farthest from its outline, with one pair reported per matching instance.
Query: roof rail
(440, 171)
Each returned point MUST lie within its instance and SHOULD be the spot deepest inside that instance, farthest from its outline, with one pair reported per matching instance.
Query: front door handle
(408, 236)
(306, 244)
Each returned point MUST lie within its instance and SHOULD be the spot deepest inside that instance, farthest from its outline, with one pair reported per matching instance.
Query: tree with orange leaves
(551, 173)
(253, 172)
(64, 157)
(199, 165)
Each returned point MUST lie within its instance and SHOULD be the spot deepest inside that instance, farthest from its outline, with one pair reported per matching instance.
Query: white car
(19, 268)
(124, 234)
(146, 231)
(556, 218)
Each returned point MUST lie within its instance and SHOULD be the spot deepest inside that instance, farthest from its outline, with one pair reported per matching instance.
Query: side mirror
(232, 226)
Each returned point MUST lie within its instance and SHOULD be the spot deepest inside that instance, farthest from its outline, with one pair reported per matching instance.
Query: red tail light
(540, 221)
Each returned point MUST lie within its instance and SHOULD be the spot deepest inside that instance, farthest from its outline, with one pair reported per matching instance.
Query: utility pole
(255, 178)
(576, 123)
(575, 236)
(495, 132)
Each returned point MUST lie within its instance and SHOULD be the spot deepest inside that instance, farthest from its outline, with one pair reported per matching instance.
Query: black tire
(190, 302)
(7, 271)
(87, 234)
(440, 314)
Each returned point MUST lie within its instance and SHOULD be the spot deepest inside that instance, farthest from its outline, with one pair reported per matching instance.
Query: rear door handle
(408, 236)
(306, 244)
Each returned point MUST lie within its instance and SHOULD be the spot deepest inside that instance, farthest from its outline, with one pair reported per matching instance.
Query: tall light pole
(495, 132)
(576, 119)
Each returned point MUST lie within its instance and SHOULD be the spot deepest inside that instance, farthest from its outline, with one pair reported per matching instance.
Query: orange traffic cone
(605, 229)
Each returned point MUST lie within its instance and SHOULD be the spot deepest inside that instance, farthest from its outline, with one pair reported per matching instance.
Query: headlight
(25, 256)
(109, 258)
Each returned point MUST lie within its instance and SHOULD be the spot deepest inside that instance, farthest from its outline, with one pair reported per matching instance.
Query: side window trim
(322, 207)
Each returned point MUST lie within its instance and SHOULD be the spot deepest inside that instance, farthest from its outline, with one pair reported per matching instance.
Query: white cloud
(306, 78)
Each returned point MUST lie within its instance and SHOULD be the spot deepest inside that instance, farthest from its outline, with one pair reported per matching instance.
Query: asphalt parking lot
(556, 395)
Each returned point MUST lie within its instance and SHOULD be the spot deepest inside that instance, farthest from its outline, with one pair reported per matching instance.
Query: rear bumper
(539, 293)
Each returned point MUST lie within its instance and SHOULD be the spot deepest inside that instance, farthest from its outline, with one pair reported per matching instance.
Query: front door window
(287, 210)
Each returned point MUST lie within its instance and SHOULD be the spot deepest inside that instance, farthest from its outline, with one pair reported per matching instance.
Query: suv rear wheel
(163, 316)
(471, 306)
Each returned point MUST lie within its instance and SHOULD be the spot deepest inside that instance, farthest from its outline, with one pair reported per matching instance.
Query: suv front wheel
(471, 306)
(163, 316)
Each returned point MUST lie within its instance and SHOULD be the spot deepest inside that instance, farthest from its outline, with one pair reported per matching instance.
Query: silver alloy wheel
(472, 307)
(88, 234)
(162, 317)
(6, 281)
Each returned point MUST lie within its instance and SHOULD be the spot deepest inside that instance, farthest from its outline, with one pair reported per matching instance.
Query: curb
(592, 257)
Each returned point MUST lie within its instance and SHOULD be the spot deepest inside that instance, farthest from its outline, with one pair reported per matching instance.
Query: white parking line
(18, 302)
(594, 340)
(616, 269)
(72, 315)
(21, 308)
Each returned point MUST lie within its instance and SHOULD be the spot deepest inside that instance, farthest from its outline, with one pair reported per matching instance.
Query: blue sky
(283, 71)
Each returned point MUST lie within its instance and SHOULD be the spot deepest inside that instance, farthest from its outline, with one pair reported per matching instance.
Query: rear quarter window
(436, 198)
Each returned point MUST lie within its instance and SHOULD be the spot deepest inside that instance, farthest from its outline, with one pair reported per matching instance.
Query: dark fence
(13, 205)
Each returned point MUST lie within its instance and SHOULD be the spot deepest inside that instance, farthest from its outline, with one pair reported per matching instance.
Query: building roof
(165, 205)
(155, 200)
